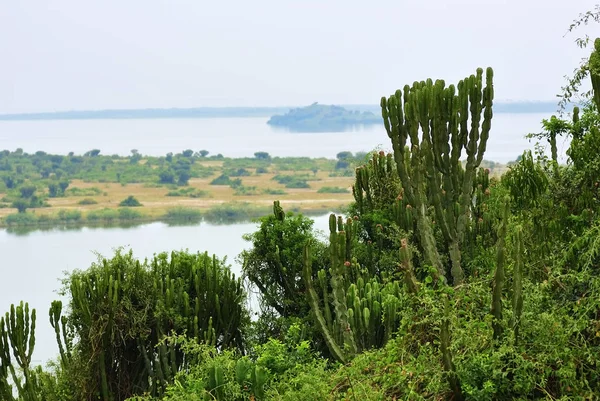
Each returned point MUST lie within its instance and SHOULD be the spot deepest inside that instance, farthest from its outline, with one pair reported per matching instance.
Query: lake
(34, 263)
(232, 137)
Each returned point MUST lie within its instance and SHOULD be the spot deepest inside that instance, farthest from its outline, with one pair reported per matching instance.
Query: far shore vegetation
(47, 190)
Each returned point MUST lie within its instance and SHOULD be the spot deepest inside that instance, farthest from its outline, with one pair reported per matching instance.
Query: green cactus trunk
(517, 300)
(498, 284)
(430, 168)
(447, 355)
(17, 336)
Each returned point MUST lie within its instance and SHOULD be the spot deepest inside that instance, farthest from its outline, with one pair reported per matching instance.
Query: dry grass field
(155, 201)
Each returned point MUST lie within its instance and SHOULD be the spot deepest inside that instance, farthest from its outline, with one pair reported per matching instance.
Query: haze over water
(233, 137)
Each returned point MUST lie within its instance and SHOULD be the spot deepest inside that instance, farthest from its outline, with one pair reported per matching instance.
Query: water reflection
(36, 259)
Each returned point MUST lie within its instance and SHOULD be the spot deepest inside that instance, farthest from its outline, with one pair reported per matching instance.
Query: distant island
(323, 118)
(245, 112)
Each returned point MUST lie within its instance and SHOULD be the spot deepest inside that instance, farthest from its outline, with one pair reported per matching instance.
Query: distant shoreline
(234, 112)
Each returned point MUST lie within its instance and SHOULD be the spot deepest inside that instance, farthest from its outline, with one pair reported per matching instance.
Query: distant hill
(240, 112)
(198, 112)
(323, 118)
(499, 107)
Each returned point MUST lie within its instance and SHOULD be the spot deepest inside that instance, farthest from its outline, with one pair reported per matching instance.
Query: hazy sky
(95, 54)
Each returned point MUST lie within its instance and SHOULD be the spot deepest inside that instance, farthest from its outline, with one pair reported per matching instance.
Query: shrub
(274, 191)
(87, 201)
(297, 184)
(241, 172)
(293, 181)
(105, 215)
(190, 192)
(332, 190)
(20, 219)
(246, 191)
(130, 201)
(129, 214)
(223, 179)
(69, 215)
(234, 212)
(183, 214)
(92, 191)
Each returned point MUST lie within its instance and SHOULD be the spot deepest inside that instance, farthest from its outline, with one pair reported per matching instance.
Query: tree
(187, 153)
(262, 155)
(344, 155)
(92, 153)
(21, 205)
(9, 181)
(274, 263)
(203, 153)
(27, 191)
(135, 156)
(183, 177)
(53, 189)
(166, 176)
(64, 184)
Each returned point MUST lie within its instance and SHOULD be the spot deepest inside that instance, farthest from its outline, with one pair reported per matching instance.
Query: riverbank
(93, 203)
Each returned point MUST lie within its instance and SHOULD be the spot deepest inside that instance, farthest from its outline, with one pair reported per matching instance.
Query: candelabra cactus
(251, 376)
(517, 299)
(122, 312)
(364, 312)
(498, 283)
(17, 337)
(429, 168)
(63, 333)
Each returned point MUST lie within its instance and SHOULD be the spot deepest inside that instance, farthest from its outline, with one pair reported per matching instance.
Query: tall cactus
(63, 333)
(430, 167)
(517, 298)
(364, 312)
(406, 266)
(17, 336)
(449, 367)
(121, 311)
(498, 283)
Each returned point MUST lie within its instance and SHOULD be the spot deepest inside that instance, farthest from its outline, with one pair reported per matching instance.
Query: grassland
(47, 190)
(84, 198)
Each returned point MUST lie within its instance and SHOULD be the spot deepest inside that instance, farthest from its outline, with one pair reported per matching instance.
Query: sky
(89, 54)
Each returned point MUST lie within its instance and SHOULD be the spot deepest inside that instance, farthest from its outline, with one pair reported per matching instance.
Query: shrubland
(441, 282)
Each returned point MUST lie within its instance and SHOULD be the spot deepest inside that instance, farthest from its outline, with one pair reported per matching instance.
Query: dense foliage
(441, 283)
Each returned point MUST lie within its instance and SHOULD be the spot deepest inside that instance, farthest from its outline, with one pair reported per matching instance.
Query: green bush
(246, 191)
(293, 181)
(129, 214)
(70, 216)
(87, 201)
(274, 191)
(190, 192)
(233, 212)
(183, 214)
(20, 219)
(92, 191)
(221, 180)
(332, 190)
(130, 201)
(105, 215)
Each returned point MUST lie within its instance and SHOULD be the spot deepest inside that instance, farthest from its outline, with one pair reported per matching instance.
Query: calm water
(232, 137)
(34, 263)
